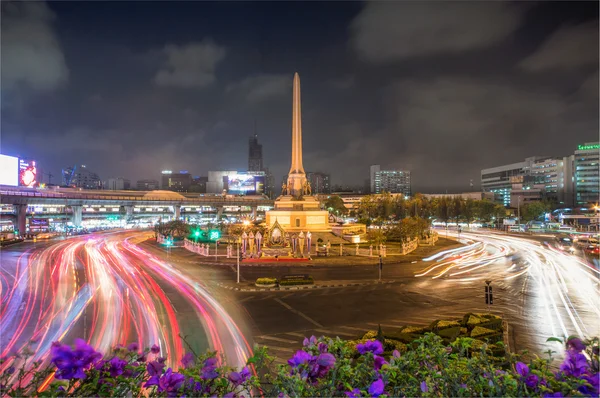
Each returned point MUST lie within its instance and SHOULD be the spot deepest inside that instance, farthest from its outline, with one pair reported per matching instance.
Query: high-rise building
(199, 184)
(147, 185)
(255, 157)
(373, 170)
(319, 182)
(393, 181)
(178, 182)
(118, 184)
(498, 179)
(586, 173)
(269, 183)
(81, 177)
(555, 176)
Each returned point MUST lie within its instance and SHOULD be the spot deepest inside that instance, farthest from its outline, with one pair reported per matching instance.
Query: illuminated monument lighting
(296, 209)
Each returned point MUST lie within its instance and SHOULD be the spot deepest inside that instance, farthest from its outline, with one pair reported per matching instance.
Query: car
(592, 250)
(584, 242)
(565, 244)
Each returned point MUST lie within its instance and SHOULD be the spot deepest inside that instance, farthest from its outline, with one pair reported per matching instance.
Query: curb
(283, 289)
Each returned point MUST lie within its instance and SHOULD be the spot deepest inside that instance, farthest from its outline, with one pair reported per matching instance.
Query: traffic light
(197, 234)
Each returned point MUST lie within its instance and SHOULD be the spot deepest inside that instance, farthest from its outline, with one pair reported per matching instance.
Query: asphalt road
(540, 291)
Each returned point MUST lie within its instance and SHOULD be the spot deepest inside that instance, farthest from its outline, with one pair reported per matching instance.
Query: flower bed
(322, 368)
(294, 282)
(266, 282)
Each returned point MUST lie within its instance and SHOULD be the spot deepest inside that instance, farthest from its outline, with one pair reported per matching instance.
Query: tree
(335, 204)
(469, 210)
(533, 211)
(485, 210)
(443, 209)
(456, 208)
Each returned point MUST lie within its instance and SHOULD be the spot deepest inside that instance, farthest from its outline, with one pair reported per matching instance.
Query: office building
(555, 177)
(118, 184)
(586, 173)
(269, 183)
(463, 195)
(319, 182)
(81, 177)
(392, 181)
(498, 179)
(255, 157)
(372, 171)
(178, 182)
(147, 185)
(199, 184)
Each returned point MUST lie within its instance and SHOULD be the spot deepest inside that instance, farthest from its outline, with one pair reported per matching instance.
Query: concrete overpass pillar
(177, 209)
(254, 212)
(77, 216)
(21, 218)
(219, 212)
(129, 212)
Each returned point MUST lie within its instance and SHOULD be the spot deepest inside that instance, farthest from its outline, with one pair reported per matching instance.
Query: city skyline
(439, 109)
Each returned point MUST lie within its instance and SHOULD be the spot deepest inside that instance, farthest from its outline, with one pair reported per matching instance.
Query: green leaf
(554, 339)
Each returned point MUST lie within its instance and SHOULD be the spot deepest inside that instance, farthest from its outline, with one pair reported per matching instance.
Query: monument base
(298, 214)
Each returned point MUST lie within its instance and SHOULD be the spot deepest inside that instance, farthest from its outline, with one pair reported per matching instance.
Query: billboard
(9, 170)
(28, 173)
(247, 184)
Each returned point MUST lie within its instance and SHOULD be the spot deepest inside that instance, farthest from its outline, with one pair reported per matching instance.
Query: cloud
(262, 87)
(390, 31)
(343, 83)
(569, 47)
(189, 66)
(31, 54)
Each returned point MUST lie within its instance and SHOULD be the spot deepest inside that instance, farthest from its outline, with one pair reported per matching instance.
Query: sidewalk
(250, 287)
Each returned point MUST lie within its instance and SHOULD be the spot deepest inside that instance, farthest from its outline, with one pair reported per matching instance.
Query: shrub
(266, 281)
(413, 329)
(322, 368)
(293, 282)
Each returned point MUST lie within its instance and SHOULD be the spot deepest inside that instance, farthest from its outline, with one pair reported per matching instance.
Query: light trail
(567, 287)
(109, 291)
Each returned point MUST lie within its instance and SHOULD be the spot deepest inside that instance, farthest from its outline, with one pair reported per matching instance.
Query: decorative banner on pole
(244, 242)
(258, 237)
(308, 241)
(294, 242)
(251, 241)
(301, 241)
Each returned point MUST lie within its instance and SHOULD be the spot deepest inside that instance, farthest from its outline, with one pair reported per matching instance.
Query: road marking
(353, 328)
(296, 334)
(299, 313)
(246, 299)
(277, 339)
(288, 295)
(387, 325)
(333, 332)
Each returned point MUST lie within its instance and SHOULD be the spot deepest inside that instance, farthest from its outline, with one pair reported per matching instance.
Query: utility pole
(380, 266)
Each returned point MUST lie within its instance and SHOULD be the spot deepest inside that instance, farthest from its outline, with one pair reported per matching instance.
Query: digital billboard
(28, 173)
(9, 170)
(248, 184)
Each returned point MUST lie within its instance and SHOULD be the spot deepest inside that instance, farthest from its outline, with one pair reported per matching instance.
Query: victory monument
(296, 210)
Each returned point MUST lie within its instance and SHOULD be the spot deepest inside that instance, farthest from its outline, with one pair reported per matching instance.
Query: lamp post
(238, 258)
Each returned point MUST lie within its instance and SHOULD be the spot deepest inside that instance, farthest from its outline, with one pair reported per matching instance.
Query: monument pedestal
(299, 214)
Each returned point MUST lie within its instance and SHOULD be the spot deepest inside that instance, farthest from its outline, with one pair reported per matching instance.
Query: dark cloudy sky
(442, 89)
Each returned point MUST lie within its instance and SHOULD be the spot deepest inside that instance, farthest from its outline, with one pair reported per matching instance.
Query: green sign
(588, 147)
(214, 234)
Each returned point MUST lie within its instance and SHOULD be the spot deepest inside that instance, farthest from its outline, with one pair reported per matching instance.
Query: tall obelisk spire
(296, 177)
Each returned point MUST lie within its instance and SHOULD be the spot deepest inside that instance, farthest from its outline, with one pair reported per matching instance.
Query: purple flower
(575, 344)
(209, 371)
(532, 381)
(238, 378)
(169, 382)
(379, 361)
(592, 389)
(155, 349)
(116, 366)
(396, 354)
(424, 387)
(10, 370)
(299, 358)
(71, 363)
(133, 347)
(326, 360)
(188, 360)
(161, 359)
(323, 348)
(522, 369)
(376, 388)
(155, 368)
(307, 342)
(142, 357)
(230, 395)
(575, 364)
(373, 346)
(355, 393)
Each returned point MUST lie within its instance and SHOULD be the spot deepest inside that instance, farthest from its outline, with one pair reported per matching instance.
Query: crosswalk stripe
(333, 332)
(246, 299)
(277, 339)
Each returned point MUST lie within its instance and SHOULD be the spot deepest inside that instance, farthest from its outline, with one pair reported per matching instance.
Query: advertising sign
(248, 184)
(9, 170)
(28, 173)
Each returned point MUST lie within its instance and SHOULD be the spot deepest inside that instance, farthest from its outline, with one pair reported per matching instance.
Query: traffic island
(252, 287)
